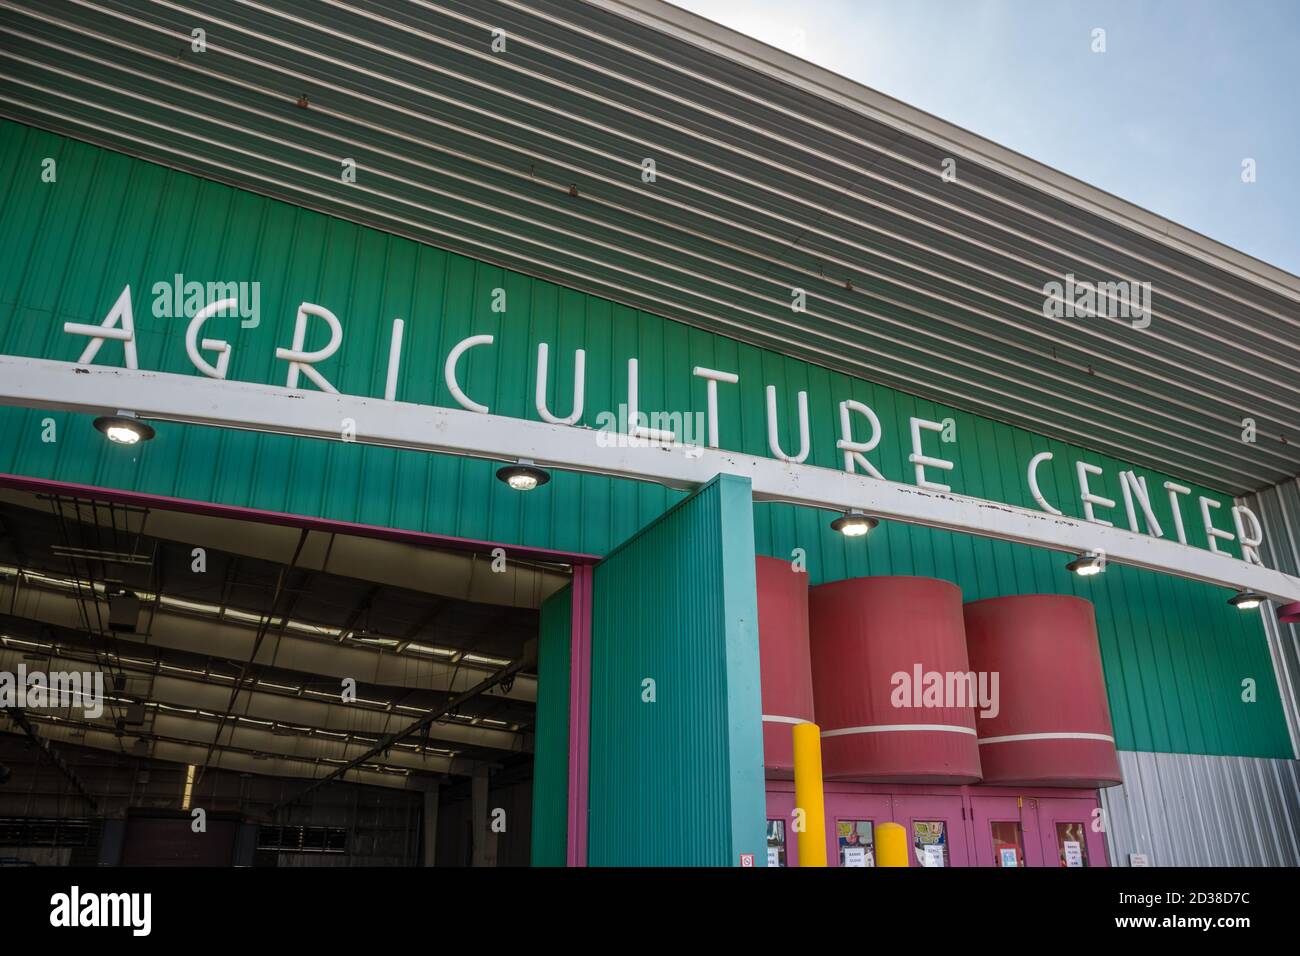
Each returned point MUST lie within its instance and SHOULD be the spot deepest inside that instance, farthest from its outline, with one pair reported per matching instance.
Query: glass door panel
(1072, 836)
(1006, 831)
(936, 829)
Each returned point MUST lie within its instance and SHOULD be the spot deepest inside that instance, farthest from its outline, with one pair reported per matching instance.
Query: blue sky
(1185, 91)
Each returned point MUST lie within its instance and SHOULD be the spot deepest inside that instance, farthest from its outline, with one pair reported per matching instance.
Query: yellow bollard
(808, 794)
(891, 845)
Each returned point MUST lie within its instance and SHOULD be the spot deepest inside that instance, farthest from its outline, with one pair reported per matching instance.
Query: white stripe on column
(769, 718)
(1015, 738)
(893, 728)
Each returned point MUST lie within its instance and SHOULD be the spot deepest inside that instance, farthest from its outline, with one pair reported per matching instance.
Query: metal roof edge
(788, 68)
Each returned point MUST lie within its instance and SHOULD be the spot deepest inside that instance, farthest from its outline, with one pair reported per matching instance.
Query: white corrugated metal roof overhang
(764, 183)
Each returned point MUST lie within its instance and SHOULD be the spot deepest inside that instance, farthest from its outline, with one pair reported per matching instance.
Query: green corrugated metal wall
(678, 780)
(1175, 654)
(551, 732)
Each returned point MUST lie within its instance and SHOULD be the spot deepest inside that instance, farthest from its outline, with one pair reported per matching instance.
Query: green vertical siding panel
(1174, 653)
(551, 732)
(678, 780)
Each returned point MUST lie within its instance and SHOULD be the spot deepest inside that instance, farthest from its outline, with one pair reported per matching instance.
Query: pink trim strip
(189, 506)
(579, 714)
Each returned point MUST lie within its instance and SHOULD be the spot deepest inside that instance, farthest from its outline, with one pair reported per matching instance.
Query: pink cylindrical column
(1053, 723)
(876, 644)
(785, 670)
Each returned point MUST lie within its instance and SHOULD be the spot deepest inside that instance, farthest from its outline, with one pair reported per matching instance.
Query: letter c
(1034, 490)
(449, 372)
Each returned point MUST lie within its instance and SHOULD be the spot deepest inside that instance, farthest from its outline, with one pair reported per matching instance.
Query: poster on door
(931, 842)
(855, 856)
(1073, 853)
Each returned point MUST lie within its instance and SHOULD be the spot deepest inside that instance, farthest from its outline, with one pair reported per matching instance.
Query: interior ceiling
(241, 664)
(771, 174)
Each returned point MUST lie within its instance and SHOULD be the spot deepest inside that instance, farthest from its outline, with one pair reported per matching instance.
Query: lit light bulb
(522, 482)
(1087, 564)
(123, 435)
(124, 428)
(1246, 600)
(853, 524)
(524, 476)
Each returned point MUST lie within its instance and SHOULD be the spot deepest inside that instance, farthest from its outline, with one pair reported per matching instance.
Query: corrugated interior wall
(508, 847)
(383, 827)
(551, 732)
(382, 823)
(1191, 810)
(676, 758)
(1175, 654)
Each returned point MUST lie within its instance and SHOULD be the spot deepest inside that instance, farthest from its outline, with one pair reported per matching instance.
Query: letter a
(120, 312)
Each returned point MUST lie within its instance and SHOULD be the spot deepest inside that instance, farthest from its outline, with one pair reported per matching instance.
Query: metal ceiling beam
(231, 641)
(229, 758)
(152, 683)
(23, 722)
(281, 590)
(505, 674)
(395, 564)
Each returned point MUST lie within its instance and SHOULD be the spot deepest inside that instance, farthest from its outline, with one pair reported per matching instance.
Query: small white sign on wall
(1138, 859)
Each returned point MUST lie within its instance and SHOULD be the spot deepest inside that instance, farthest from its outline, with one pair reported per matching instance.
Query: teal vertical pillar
(676, 751)
(748, 795)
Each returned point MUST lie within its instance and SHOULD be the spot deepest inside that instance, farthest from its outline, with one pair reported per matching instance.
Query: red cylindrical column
(1053, 725)
(877, 645)
(785, 670)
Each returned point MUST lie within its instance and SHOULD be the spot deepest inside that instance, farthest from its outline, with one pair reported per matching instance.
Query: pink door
(936, 829)
(1006, 831)
(851, 820)
(1069, 832)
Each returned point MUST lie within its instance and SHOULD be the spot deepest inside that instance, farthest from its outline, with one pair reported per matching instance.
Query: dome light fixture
(523, 476)
(124, 428)
(1246, 600)
(1087, 564)
(854, 523)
